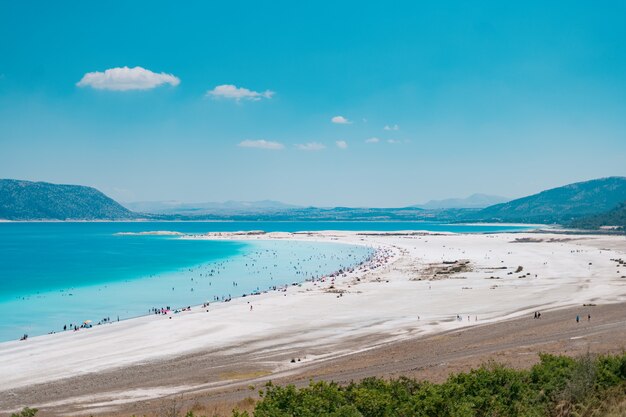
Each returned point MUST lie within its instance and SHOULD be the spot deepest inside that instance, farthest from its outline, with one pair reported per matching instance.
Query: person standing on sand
(588, 317)
(577, 318)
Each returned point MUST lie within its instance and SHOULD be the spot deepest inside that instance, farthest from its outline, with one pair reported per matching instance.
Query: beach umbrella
(87, 322)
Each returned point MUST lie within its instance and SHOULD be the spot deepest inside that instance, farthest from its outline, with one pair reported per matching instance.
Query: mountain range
(562, 204)
(171, 207)
(27, 200)
(473, 201)
(594, 203)
(230, 207)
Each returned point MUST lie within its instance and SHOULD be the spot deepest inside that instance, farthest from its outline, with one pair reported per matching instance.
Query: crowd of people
(310, 268)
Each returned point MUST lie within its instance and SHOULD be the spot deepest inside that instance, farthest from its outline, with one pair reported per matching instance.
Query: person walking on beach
(577, 318)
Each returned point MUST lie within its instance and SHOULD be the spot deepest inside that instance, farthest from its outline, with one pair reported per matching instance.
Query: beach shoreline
(423, 284)
(224, 269)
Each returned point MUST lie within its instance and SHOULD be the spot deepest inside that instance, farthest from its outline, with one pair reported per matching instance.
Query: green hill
(562, 204)
(615, 217)
(26, 200)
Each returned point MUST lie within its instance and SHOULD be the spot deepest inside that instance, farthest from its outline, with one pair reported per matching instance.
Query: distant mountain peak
(474, 201)
(230, 206)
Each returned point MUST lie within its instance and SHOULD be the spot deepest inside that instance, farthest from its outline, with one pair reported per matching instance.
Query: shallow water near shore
(250, 268)
(56, 274)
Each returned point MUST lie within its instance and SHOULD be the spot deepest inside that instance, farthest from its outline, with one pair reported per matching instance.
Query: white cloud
(394, 127)
(372, 140)
(261, 144)
(342, 144)
(340, 120)
(232, 92)
(393, 141)
(311, 146)
(124, 79)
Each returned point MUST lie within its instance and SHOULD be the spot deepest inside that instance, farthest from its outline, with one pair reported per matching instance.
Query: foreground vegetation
(558, 386)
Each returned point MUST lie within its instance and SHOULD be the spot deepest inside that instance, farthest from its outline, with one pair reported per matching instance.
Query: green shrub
(26, 412)
(611, 370)
(557, 385)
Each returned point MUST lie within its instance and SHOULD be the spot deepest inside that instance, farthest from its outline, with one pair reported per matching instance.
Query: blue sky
(235, 101)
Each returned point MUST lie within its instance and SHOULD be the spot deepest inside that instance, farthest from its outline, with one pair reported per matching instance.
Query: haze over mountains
(592, 203)
(473, 201)
(177, 207)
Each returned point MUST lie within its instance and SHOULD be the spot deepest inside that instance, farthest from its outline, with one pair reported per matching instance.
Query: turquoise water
(55, 274)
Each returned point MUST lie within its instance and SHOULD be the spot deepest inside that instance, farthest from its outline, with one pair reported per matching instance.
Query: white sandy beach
(400, 298)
